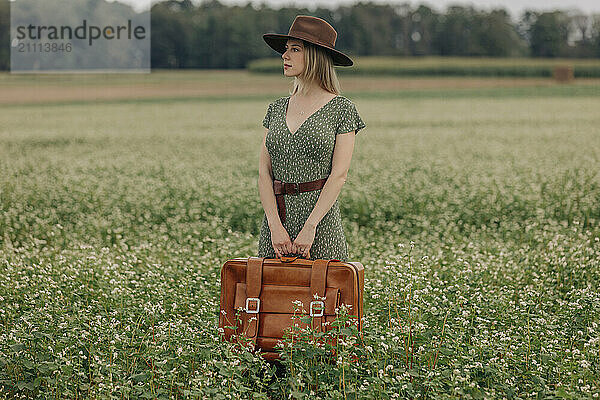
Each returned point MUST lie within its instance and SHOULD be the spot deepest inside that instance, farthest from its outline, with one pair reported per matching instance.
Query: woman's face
(293, 58)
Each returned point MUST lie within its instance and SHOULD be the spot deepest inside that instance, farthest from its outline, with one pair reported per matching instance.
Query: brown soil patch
(174, 84)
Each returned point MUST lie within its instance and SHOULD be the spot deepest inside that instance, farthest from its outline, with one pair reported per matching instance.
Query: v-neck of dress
(287, 103)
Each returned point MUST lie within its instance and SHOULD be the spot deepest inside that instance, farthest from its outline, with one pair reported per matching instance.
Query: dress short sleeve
(350, 120)
(267, 119)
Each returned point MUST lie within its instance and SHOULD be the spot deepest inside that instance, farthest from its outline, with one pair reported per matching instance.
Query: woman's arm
(265, 185)
(279, 236)
(342, 155)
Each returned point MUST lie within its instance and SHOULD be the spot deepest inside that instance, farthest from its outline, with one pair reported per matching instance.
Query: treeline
(214, 35)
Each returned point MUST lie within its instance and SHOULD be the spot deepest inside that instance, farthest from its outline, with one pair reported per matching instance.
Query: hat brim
(277, 42)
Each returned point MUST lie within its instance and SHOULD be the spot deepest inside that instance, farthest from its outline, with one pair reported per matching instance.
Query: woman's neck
(312, 91)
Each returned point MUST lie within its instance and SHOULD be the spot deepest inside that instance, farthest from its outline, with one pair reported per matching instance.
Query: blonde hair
(318, 69)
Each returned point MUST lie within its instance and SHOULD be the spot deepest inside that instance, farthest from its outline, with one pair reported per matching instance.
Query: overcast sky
(515, 7)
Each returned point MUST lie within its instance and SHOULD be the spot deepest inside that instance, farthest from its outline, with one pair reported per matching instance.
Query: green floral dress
(306, 155)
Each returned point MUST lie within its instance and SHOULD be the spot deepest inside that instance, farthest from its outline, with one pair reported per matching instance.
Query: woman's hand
(304, 240)
(280, 240)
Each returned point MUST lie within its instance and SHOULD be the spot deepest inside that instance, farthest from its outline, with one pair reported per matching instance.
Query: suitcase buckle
(248, 311)
(318, 312)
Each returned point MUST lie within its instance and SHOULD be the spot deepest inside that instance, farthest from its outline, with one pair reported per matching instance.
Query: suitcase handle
(291, 258)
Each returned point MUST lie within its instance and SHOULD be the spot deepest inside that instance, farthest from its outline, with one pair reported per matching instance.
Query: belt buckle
(296, 189)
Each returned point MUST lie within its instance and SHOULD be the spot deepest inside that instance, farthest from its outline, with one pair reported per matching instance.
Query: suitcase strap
(318, 278)
(253, 287)
(254, 270)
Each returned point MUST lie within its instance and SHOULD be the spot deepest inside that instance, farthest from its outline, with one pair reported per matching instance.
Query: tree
(581, 34)
(454, 30)
(170, 33)
(497, 36)
(4, 35)
(423, 25)
(549, 34)
(596, 35)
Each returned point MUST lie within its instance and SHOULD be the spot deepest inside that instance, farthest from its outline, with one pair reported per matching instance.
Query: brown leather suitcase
(265, 288)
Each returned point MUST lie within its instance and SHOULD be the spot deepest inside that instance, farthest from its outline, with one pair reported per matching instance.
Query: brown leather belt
(280, 188)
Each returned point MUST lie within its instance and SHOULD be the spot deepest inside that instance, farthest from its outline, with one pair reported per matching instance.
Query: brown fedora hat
(311, 29)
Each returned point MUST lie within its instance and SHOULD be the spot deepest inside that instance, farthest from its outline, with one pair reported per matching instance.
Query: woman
(307, 148)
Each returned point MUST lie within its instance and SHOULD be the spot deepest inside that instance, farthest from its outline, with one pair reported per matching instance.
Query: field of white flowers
(476, 216)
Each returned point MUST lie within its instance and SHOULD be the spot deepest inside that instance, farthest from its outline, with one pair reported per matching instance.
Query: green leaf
(476, 394)
(563, 394)
(141, 377)
(297, 395)
(347, 331)
(17, 347)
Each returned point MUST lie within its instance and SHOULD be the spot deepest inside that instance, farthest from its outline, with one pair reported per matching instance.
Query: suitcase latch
(318, 311)
(253, 311)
